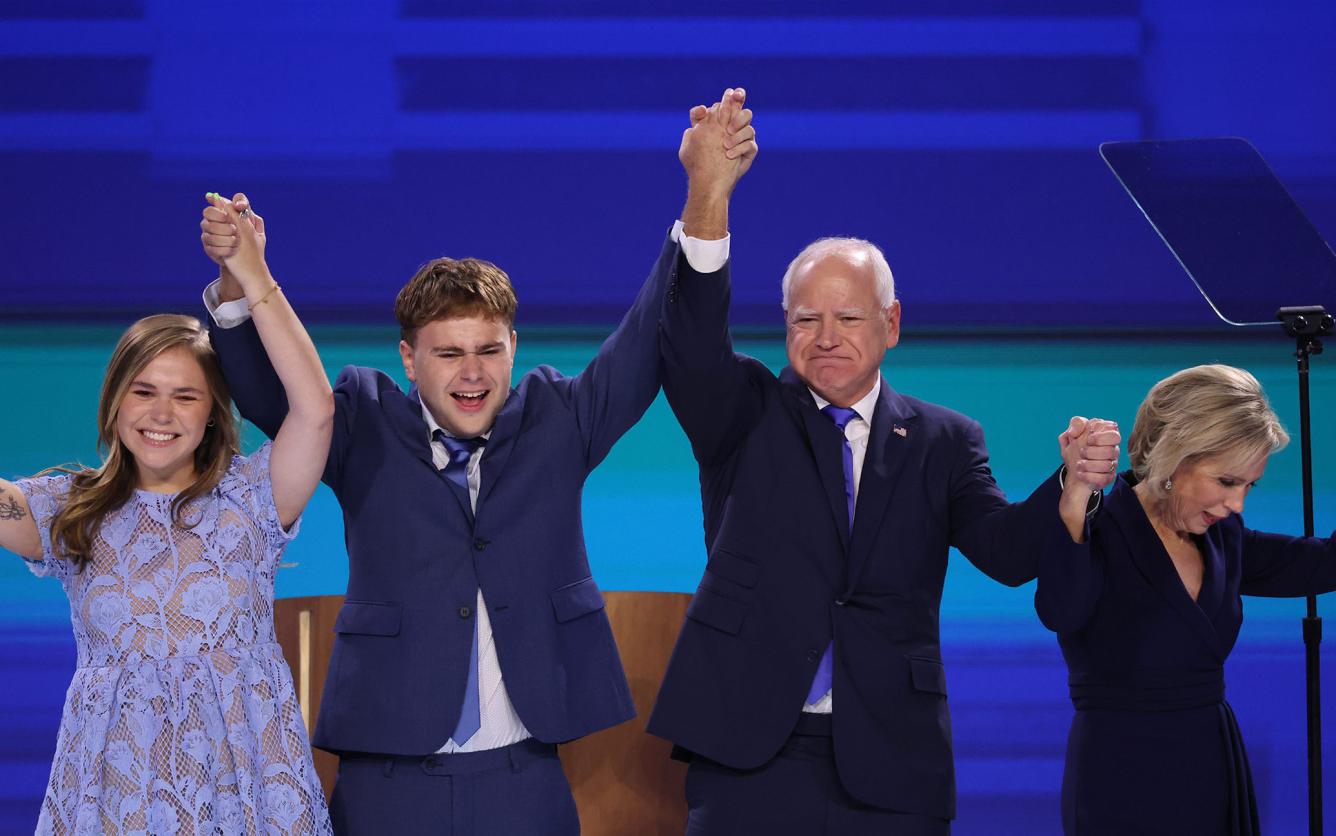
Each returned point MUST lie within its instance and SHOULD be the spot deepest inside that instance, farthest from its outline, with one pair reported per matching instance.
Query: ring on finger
(245, 213)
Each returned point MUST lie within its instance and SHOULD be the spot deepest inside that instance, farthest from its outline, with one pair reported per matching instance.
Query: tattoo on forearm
(10, 508)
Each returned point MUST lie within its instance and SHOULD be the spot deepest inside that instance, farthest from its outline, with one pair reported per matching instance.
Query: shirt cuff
(230, 314)
(703, 255)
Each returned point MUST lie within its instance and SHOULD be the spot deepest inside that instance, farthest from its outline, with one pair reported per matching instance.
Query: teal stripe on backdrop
(642, 516)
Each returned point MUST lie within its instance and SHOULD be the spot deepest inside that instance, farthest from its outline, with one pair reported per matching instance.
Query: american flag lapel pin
(899, 429)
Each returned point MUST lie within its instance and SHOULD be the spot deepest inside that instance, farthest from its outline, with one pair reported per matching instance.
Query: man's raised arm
(704, 381)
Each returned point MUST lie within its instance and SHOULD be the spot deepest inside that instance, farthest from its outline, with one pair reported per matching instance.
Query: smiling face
(462, 368)
(1208, 490)
(162, 418)
(838, 332)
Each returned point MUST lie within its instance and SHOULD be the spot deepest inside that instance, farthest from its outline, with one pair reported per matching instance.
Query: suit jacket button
(465, 612)
(431, 763)
(813, 655)
(480, 544)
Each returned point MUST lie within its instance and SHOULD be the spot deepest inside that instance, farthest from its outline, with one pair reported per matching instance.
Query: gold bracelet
(265, 298)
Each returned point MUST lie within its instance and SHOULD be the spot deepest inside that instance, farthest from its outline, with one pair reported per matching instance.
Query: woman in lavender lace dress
(181, 717)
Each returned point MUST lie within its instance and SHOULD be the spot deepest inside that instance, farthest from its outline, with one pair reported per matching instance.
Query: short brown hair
(449, 287)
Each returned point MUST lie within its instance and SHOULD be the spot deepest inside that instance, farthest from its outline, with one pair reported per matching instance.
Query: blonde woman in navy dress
(181, 717)
(1148, 613)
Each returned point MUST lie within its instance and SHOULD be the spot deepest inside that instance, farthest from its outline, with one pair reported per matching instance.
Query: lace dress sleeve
(46, 495)
(248, 484)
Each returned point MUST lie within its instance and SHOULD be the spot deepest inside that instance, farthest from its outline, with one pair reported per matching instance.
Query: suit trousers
(518, 789)
(797, 793)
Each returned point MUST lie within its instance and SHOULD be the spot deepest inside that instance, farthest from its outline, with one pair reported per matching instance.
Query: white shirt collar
(863, 407)
(432, 426)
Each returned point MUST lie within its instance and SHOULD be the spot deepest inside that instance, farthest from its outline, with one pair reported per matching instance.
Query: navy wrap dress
(1154, 747)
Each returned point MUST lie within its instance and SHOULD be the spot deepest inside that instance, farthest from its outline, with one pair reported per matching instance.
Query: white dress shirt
(501, 726)
(704, 256)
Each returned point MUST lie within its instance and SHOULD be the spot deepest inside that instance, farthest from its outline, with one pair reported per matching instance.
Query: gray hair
(1201, 412)
(857, 247)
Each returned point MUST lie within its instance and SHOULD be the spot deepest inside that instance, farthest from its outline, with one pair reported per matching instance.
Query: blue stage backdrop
(374, 134)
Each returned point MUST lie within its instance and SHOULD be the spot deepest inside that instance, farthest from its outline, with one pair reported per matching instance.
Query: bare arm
(301, 445)
(18, 531)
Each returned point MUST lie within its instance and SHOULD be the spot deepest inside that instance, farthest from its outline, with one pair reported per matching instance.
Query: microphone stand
(1307, 325)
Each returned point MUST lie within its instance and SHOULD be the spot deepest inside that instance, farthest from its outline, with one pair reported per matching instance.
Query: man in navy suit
(473, 638)
(807, 688)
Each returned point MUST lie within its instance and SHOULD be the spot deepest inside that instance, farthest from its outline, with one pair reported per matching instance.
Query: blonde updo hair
(1199, 413)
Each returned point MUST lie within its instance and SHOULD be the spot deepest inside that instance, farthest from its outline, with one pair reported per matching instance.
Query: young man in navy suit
(472, 639)
(807, 688)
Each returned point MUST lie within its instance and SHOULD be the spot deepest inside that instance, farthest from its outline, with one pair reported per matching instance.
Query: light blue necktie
(821, 683)
(470, 713)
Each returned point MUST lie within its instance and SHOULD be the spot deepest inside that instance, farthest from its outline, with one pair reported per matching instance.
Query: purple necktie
(821, 683)
(470, 713)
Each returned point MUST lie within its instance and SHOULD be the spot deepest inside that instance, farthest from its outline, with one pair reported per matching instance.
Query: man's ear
(893, 324)
(406, 354)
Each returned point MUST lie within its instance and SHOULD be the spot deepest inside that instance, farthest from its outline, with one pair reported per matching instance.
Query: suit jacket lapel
(505, 432)
(888, 445)
(406, 418)
(823, 444)
(1152, 559)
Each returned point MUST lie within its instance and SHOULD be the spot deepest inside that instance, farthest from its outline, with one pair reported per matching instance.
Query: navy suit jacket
(417, 555)
(784, 576)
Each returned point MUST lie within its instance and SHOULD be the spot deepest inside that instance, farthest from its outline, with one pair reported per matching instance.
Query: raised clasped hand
(233, 237)
(1089, 449)
(720, 145)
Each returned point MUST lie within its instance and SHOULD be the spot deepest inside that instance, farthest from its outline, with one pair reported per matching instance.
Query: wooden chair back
(623, 780)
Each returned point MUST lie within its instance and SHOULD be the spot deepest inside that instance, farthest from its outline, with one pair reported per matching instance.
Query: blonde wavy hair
(97, 492)
(1197, 413)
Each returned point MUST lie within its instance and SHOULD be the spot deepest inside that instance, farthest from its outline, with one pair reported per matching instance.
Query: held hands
(1090, 456)
(233, 237)
(1090, 451)
(720, 145)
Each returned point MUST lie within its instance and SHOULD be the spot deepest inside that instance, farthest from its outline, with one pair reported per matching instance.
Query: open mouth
(470, 401)
(158, 439)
